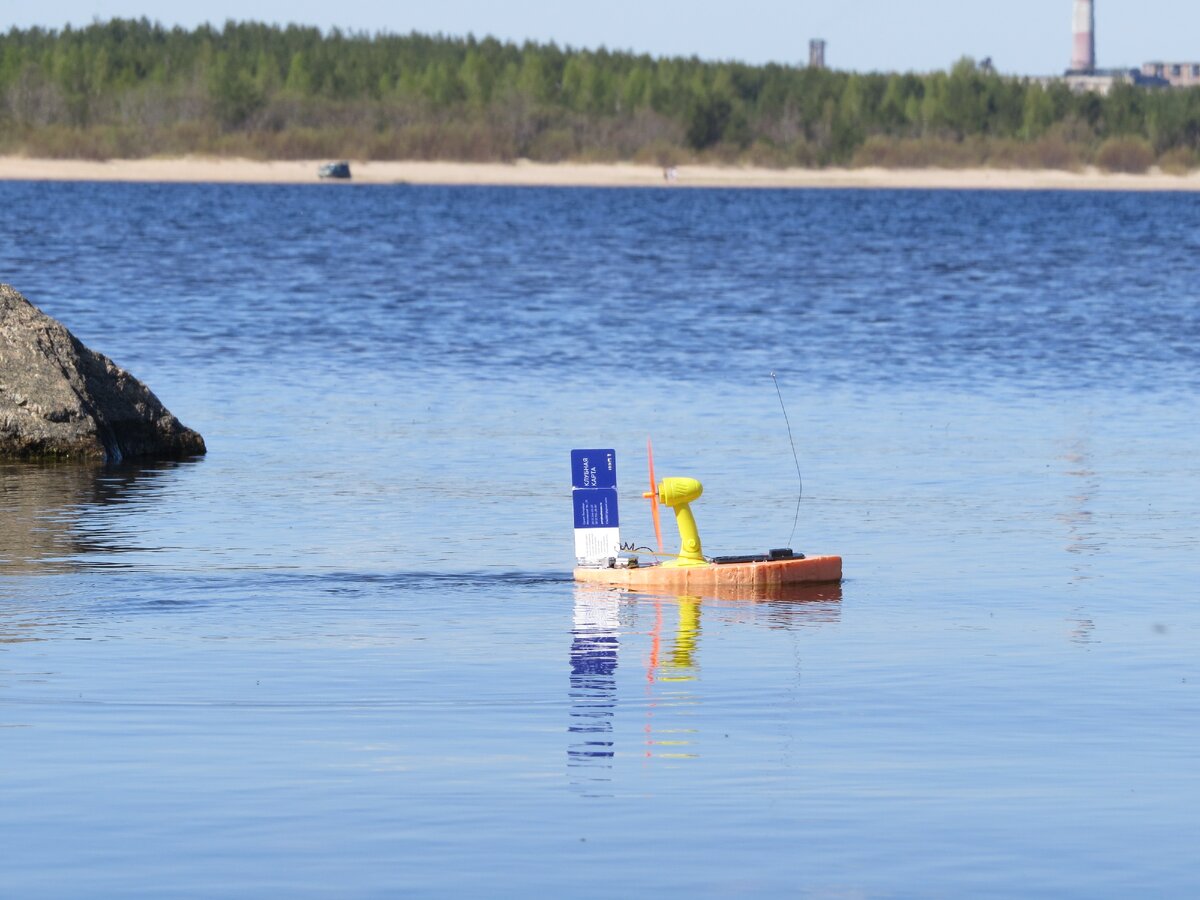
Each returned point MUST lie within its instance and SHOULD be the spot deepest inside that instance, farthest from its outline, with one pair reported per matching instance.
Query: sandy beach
(197, 169)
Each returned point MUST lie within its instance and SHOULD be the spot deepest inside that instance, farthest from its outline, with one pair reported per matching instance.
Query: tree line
(128, 88)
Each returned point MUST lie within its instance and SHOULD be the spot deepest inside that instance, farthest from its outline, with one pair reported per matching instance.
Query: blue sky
(1022, 36)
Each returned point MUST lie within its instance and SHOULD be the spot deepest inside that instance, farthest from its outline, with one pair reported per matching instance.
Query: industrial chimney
(1083, 56)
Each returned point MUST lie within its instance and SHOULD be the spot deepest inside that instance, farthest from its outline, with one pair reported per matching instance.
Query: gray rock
(60, 400)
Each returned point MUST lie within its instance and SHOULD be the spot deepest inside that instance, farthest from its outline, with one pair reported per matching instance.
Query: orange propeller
(652, 496)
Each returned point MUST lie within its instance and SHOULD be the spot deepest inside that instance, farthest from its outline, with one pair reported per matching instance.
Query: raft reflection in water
(660, 685)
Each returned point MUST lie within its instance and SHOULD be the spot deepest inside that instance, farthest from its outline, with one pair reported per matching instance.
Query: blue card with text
(595, 508)
(593, 468)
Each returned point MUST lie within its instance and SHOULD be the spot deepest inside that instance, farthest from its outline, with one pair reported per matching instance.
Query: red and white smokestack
(1083, 58)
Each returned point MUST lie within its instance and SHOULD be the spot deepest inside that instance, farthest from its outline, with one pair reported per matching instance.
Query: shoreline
(524, 173)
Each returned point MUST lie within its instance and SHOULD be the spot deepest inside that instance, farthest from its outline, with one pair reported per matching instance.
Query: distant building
(1175, 74)
(1102, 81)
(816, 54)
(1096, 81)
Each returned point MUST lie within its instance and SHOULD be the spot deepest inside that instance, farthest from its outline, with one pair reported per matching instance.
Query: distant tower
(1083, 55)
(816, 54)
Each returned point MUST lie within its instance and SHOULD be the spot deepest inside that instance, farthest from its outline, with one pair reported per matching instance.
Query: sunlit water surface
(342, 655)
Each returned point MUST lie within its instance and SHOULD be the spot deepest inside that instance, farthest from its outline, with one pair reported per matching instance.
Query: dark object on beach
(335, 170)
(60, 400)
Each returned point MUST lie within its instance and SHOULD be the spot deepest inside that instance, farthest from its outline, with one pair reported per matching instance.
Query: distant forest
(134, 88)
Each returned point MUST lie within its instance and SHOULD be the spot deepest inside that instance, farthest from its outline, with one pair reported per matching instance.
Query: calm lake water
(342, 655)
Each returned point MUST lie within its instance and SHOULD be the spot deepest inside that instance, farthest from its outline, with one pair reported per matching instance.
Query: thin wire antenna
(795, 459)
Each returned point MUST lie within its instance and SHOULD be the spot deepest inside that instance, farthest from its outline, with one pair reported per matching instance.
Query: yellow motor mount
(677, 493)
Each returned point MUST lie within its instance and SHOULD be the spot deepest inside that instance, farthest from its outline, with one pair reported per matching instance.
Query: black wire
(795, 459)
(628, 547)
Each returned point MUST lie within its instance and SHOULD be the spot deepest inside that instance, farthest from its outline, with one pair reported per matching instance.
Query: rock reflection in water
(604, 619)
(60, 517)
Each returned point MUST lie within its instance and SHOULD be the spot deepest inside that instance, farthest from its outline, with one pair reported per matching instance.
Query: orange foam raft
(738, 576)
